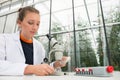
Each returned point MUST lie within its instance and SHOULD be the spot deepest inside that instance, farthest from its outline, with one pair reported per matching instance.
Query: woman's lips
(32, 32)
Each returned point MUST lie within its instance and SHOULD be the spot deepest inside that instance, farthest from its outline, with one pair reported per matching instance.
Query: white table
(115, 76)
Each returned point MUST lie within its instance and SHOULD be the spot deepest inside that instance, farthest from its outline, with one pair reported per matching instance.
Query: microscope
(56, 50)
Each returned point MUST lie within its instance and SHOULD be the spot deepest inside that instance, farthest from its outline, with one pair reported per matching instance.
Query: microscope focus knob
(45, 60)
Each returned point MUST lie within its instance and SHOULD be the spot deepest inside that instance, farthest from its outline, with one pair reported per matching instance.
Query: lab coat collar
(16, 37)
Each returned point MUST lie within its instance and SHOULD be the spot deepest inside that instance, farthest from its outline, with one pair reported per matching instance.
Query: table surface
(116, 76)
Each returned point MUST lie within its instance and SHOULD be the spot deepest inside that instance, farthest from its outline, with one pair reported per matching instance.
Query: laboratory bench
(116, 76)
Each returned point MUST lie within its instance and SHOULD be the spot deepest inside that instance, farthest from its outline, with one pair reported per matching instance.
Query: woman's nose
(35, 27)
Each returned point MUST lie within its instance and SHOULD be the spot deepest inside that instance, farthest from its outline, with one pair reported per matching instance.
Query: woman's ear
(19, 23)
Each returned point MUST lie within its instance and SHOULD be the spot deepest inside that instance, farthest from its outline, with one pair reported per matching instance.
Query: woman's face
(29, 25)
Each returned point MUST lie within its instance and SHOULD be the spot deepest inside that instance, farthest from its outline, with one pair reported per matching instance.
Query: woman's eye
(31, 23)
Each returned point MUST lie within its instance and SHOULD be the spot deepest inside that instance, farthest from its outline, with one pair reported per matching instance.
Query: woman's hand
(40, 70)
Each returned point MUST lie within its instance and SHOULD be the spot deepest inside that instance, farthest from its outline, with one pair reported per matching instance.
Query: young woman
(20, 53)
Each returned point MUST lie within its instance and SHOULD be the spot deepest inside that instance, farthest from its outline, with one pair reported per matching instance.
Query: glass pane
(16, 5)
(10, 23)
(44, 20)
(114, 45)
(27, 2)
(4, 9)
(86, 49)
(62, 19)
(2, 23)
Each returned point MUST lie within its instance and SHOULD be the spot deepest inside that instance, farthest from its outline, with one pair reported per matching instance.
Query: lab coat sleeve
(6, 67)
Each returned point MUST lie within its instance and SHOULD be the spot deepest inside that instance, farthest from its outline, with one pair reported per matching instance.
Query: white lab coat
(12, 59)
